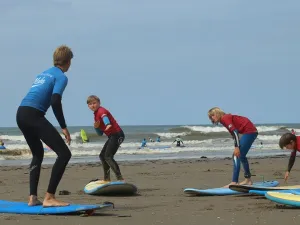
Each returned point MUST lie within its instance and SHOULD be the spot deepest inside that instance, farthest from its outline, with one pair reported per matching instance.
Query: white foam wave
(267, 128)
(268, 137)
(21, 137)
(172, 135)
(13, 138)
(208, 129)
(74, 135)
(215, 149)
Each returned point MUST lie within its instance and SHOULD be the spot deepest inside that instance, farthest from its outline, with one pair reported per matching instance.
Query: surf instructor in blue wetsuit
(46, 91)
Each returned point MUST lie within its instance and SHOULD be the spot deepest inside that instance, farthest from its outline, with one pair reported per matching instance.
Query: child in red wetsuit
(291, 142)
(237, 125)
(105, 123)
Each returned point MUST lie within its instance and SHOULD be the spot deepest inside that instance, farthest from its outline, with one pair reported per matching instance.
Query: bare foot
(33, 201)
(50, 201)
(246, 182)
(232, 183)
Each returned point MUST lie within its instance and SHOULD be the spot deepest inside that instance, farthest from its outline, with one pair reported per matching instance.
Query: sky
(158, 62)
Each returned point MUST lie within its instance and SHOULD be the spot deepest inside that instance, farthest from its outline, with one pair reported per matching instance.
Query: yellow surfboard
(292, 199)
(84, 136)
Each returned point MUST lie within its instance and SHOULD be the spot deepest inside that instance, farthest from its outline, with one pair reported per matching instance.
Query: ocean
(199, 140)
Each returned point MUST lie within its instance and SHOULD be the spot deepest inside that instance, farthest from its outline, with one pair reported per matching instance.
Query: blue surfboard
(262, 193)
(23, 208)
(225, 191)
(110, 188)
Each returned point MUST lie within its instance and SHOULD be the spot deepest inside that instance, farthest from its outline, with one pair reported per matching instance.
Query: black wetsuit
(108, 151)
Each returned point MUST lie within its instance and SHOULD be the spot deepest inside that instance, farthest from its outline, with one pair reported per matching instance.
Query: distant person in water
(290, 142)
(237, 125)
(105, 123)
(150, 139)
(179, 141)
(144, 143)
(1, 143)
(293, 132)
(158, 139)
(261, 144)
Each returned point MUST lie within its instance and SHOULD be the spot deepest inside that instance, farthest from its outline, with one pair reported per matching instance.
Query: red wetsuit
(237, 124)
(234, 122)
(293, 154)
(99, 116)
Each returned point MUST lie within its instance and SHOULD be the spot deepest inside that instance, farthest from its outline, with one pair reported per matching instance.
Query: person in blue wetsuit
(158, 139)
(2, 145)
(144, 143)
(46, 91)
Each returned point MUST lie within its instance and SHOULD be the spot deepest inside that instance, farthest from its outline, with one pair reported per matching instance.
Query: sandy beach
(160, 199)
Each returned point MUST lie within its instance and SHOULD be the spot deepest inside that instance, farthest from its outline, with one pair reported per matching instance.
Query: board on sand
(262, 193)
(247, 188)
(284, 198)
(23, 208)
(110, 188)
(225, 191)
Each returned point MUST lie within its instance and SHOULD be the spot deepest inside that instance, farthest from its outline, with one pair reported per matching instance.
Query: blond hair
(62, 55)
(215, 111)
(92, 98)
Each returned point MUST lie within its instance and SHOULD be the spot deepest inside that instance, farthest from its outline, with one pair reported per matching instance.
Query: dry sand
(161, 199)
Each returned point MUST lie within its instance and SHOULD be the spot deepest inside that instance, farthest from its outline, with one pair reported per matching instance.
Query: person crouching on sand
(291, 142)
(105, 123)
(237, 125)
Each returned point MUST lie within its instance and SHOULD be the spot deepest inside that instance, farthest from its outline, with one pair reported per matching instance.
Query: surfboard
(110, 188)
(224, 191)
(23, 208)
(284, 198)
(247, 188)
(2, 147)
(262, 193)
(84, 136)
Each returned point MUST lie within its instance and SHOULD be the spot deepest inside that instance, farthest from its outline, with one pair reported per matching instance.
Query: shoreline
(145, 161)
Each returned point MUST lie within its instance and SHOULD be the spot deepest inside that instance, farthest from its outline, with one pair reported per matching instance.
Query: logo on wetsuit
(39, 81)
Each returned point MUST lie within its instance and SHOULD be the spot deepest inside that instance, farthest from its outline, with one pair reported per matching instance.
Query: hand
(97, 124)
(108, 127)
(237, 152)
(67, 135)
(286, 176)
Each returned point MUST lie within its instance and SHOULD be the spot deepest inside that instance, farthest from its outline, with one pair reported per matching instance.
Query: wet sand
(160, 199)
